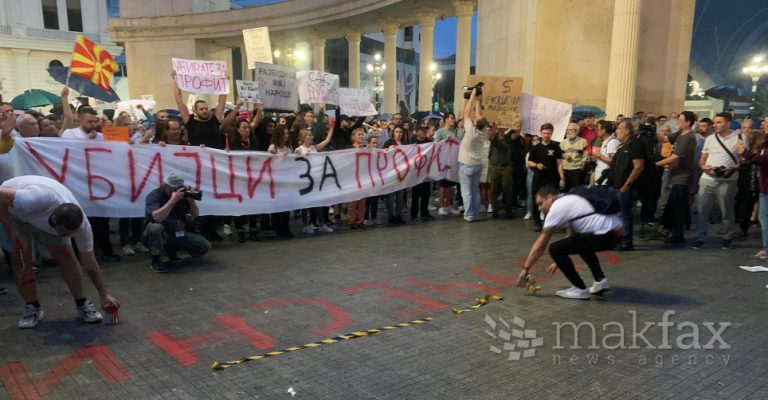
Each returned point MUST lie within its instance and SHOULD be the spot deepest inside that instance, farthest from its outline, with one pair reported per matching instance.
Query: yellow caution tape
(481, 301)
(219, 366)
(532, 286)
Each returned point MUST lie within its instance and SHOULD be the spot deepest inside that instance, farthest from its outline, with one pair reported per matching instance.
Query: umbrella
(424, 115)
(384, 117)
(82, 85)
(580, 111)
(729, 93)
(34, 98)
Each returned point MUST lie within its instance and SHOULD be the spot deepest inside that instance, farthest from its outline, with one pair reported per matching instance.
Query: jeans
(627, 203)
(722, 192)
(763, 217)
(663, 196)
(585, 245)
(529, 192)
(469, 178)
(394, 203)
(157, 238)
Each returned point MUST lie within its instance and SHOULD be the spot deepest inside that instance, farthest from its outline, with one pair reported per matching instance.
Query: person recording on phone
(171, 211)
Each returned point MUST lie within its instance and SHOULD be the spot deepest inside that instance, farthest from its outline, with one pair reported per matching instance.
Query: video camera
(468, 90)
(191, 194)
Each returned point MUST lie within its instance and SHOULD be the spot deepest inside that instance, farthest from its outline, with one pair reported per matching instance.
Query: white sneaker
(454, 211)
(32, 316)
(442, 211)
(308, 230)
(325, 228)
(461, 209)
(574, 293)
(140, 248)
(490, 209)
(87, 313)
(226, 230)
(528, 216)
(128, 250)
(431, 207)
(600, 287)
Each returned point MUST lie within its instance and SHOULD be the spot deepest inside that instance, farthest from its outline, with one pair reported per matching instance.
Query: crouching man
(171, 212)
(39, 209)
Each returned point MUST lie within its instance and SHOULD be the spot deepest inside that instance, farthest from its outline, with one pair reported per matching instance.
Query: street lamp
(436, 75)
(377, 70)
(754, 70)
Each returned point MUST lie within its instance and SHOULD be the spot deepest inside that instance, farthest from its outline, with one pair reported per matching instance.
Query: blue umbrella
(422, 115)
(34, 98)
(580, 111)
(82, 85)
(384, 117)
(729, 93)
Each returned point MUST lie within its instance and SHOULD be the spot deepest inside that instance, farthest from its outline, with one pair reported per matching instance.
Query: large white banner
(278, 87)
(318, 87)
(356, 102)
(537, 110)
(112, 179)
(257, 46)
(201, 76)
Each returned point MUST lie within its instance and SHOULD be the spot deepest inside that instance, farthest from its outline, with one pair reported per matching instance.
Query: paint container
(111, 317)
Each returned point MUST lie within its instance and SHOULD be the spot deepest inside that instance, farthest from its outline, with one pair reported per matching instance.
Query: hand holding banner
(248, 91)
(318, 87)
(200, 76)
(537, 110)
(356, 102)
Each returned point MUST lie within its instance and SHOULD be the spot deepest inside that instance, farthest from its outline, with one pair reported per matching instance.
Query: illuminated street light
(755, 70)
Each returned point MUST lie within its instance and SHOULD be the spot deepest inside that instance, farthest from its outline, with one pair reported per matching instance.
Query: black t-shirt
(622, 165)
(548, 156)
(204, 132)
(517, 151)
(685, 148)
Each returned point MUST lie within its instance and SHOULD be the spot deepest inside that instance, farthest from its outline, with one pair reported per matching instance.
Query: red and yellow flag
(92, 62)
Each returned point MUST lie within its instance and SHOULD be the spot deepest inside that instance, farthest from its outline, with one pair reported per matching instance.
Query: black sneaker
(726, 244)
(674, 240)
(157, 266)
(110, 258)
(241, 237)
(698, 244)
(3, 290)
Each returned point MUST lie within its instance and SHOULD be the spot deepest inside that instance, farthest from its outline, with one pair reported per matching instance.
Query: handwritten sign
(200, 76)
(116, 133)
(537, 110)
(356, 102)
(501, 99)
(257, 46)
(248, 91)
(318, 87)
(277, 86)
(131, 107)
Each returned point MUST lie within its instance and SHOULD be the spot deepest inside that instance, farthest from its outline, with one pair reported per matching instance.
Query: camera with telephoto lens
(468, 90)
(719, 171)
(191, 194)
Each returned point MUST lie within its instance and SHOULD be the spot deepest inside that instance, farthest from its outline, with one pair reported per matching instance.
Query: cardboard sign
(257, 46)
(248, 91)
(356, 102)
(537, 110)
(116, 133)
(200, 76)
(277, 86)
(501, 99)
(318, 87)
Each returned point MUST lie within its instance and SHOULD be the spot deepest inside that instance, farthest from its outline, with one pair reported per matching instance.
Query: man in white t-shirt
(87, 130)
(604, 156)
(590, 232)
(39, 209)
(471, 157)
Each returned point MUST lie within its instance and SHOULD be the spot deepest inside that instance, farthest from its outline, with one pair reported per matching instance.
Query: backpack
(604, 201)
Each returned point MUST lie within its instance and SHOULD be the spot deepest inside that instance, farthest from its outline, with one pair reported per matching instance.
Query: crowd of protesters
(670, 170)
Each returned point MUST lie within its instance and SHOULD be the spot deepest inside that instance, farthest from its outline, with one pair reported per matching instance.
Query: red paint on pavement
(339, 317)
(390, 292)
(450, 288)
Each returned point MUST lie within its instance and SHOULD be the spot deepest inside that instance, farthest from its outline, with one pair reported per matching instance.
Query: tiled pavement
(249, 299)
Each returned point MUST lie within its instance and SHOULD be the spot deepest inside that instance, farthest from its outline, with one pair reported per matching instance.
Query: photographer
(171, 211)
(470, 155)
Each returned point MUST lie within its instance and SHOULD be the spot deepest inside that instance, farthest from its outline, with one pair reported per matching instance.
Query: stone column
(426, 47)
(389, 26)
(622, 67)
(353, 40)
(23, 79)
(318, 52)
(464, 10)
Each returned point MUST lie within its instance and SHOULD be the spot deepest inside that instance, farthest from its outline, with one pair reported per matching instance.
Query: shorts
(30, 234)
(445, 183)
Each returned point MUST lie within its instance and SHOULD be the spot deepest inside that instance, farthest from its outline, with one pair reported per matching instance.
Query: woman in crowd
(281, 146)
(356, 208)
(394, 200)
(304, 149)
(244, 139)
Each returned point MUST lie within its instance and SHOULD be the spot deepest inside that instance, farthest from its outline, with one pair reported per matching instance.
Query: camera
(191, 194)
(719, 171)
(468, 90)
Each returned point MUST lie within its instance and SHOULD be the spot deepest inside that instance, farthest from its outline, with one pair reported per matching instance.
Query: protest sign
(112, 179)
(257, 46)
(318, 87)
(116, 133)
(248, 91)
(356, 102)
(501, 99)
(277, 86)
(131, 107)
(201, 76)
(537, 110)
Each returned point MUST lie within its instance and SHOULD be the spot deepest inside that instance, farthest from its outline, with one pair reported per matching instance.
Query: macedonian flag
(92, 62)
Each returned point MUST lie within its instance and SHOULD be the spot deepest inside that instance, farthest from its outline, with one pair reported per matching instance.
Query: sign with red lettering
(318, 87)
(112, 179)
(201, 76)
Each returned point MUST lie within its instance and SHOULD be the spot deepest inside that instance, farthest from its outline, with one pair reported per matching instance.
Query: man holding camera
(170, 211)
(720, 164)
(470, 155)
